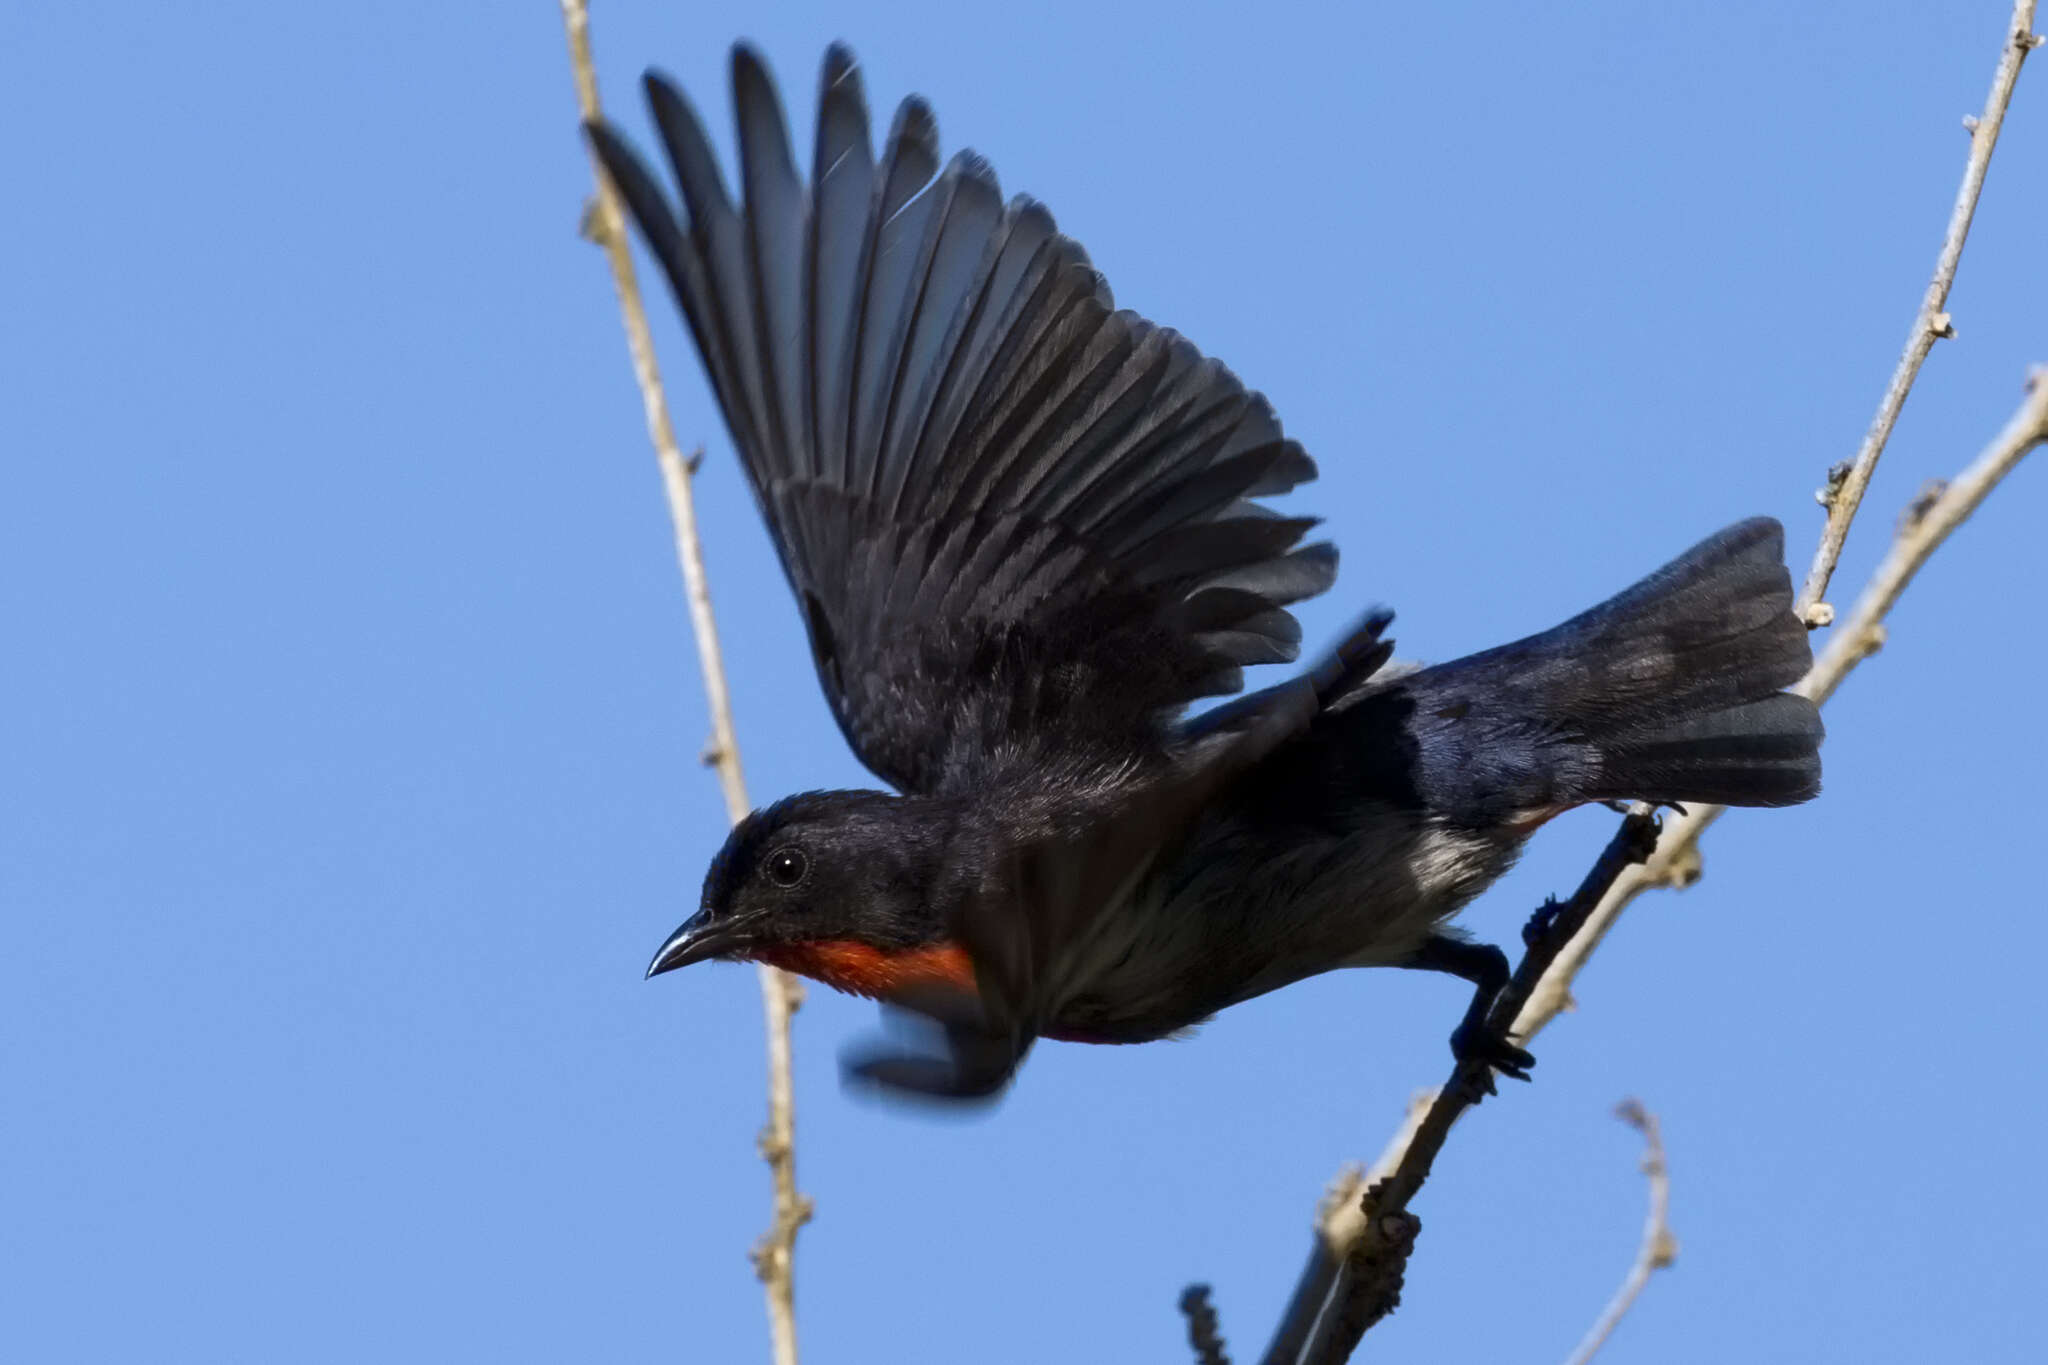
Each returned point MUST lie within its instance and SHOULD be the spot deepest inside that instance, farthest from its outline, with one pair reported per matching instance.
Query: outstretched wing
(1019, 522)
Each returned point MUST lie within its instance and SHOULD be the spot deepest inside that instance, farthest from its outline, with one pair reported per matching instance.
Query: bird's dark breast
(1107, 1033)
(1268, 891)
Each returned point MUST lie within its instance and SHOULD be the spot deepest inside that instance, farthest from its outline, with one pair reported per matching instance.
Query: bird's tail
(1669, 691)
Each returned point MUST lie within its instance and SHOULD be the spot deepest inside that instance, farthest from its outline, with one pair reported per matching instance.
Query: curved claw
(1471, 1043)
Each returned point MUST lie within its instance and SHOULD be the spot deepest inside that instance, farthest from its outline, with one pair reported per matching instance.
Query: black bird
(1023, 530)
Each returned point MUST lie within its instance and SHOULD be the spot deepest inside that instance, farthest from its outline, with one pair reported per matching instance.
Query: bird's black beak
(700, 937)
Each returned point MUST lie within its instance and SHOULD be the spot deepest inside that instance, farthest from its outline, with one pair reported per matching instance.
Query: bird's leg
(1486, 967)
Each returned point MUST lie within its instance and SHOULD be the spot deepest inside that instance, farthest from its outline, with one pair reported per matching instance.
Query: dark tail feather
(1669, 691)
(1761, 753)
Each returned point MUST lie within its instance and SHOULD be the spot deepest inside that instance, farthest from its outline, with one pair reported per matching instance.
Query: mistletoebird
(1024, 532)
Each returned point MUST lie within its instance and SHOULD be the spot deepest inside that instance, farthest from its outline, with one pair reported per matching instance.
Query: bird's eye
(787, 867)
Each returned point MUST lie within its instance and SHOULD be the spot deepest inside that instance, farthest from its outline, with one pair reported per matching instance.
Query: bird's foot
(1480, 1042)
(1541, 921)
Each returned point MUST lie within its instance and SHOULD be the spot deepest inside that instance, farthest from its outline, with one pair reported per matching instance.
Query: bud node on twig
(592, 225)
(1838, 474)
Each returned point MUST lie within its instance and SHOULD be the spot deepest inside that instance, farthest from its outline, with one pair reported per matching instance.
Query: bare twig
(1340, 1222)
(1659, 1248)
(1677, 860)
(1844, 491)
(604, 223)
(1330, 1284)
(1927, 524)
(1859, 635)
(1369, 1282)
(1368, 1285)
(1203, 1333)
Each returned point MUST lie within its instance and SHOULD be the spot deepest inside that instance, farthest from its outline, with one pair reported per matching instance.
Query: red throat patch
(878, 973)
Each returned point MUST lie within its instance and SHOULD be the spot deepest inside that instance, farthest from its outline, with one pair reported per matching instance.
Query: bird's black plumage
(1024, 531)
(1020, 522)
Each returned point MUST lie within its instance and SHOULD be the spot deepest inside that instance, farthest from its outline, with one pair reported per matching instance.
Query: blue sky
(350, 717)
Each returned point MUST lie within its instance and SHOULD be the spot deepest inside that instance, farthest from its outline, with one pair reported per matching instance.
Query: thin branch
(1927, 523)
(1204, 1336)
(1369, 1284)
(1676, 862)
(1352, 1294)
(1845, 487)
(1659, 1248)
(1340, 1222)
(604, 223)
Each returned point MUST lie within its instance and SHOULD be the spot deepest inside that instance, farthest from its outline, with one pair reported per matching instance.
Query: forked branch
(1843, 493)
(1353, 1274)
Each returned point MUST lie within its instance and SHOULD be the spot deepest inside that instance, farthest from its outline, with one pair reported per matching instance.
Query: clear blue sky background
(350, 717)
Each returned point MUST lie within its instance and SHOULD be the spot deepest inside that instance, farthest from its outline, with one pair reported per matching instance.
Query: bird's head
(837, 885)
